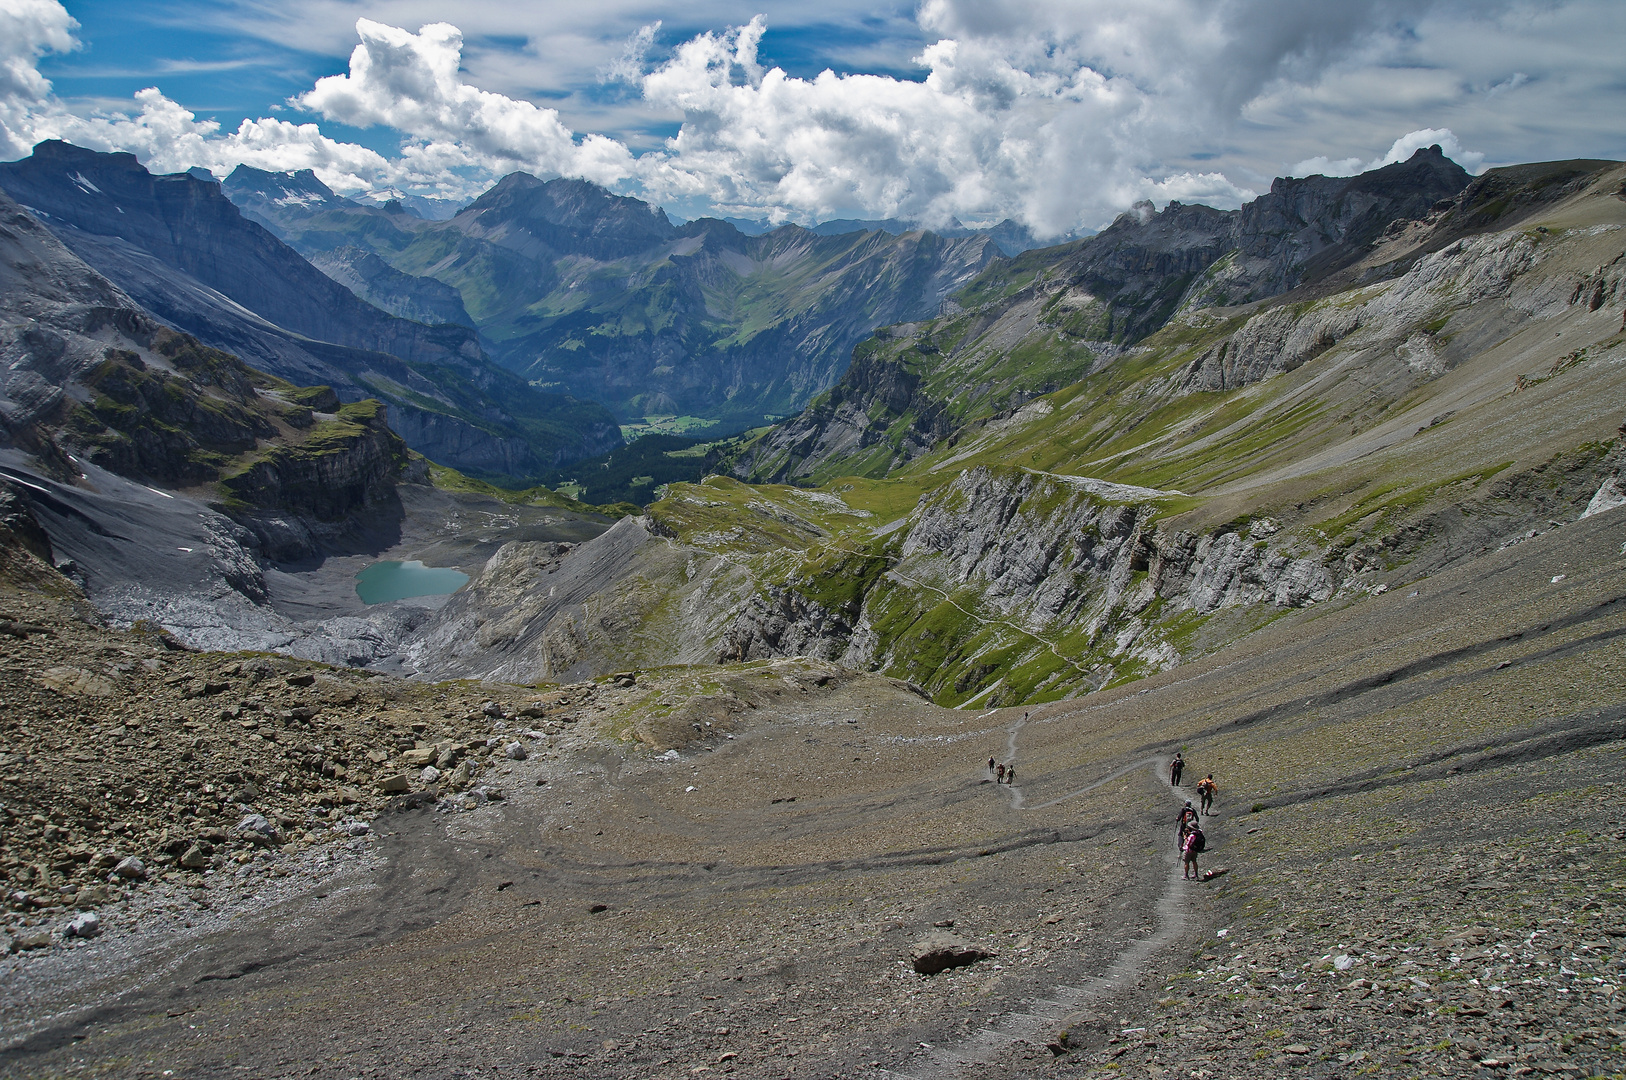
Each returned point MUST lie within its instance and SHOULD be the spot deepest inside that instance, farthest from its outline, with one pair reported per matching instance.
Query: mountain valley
(1323, 493)
(602, 297)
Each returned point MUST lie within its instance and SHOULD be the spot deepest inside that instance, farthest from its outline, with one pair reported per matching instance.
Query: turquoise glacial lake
(389, 580)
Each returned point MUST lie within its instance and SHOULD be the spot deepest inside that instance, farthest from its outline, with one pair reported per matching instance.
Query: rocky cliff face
(1025, 581)
(346, 467)
(183, 251)
(1307, 227)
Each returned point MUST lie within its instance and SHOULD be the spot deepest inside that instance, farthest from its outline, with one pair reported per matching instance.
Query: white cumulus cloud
(1058, 113)
(28, 30)
(410, 82)
(1402, 150)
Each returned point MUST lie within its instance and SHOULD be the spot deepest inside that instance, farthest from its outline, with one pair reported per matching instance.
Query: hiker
(1184, 824)
(1010, 775)
(1175, 769)
(999, 774)
(1193, 847)
(1206, 788)
(990, 764)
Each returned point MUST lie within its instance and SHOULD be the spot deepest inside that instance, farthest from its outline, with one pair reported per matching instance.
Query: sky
(1056, 113)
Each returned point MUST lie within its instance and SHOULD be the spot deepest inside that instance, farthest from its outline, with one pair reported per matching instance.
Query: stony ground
(1419, 828)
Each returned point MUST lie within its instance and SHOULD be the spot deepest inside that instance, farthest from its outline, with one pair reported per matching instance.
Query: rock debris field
(241, 864)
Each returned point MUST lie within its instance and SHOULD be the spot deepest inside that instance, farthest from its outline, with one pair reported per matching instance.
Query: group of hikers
(1188, 827)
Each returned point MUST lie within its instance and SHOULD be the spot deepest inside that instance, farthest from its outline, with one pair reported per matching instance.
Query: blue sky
(1055, 112)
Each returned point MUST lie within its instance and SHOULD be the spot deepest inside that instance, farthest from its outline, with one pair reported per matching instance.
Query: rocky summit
(855, 756)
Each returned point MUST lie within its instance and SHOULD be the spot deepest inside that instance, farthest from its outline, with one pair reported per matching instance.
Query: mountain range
(184, 253)
(1082, 464)
(1049, 317)
(600, 296)
(1325, 492)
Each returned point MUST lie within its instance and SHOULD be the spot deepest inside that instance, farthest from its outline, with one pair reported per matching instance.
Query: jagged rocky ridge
(1048, 317)
(1028, 582)
(919, 387)
(186, 255)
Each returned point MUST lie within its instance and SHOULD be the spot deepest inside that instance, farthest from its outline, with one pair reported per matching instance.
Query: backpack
(1198, 841)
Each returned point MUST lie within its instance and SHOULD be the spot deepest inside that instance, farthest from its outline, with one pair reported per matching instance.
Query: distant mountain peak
(564, 214)
(301, 188)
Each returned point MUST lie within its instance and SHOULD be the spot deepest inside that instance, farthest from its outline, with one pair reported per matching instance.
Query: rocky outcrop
(1307, 227)
(1393, 316)
(1030, 559)
(346, 466)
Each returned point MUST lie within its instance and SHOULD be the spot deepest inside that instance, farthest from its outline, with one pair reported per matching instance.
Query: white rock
(86, 924)
(260, 829)
(1608, 497)
(131, 868)
(429, 775)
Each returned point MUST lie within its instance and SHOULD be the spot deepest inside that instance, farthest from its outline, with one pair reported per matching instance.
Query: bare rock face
(941, 951)
(1042, 552)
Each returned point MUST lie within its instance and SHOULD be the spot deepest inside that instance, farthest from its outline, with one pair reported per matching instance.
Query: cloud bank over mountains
(1057, 113)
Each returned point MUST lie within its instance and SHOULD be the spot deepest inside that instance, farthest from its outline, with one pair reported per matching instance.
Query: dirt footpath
(1418, 824)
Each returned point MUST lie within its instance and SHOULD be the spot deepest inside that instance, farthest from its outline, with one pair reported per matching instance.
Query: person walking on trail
(999, 774)
(1193, 847)
(1010, 775)
(1184, 824)
(990, 764)
(1175, 769)
(1206, 788)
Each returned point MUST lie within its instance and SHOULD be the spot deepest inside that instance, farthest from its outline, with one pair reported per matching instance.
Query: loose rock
(939, 952)
(86, 924)
(260, 830)
(131, 869)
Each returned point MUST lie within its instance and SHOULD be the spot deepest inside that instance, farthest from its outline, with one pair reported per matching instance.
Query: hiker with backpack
(1175, 769)
(1193, 847)
(1206, 788)
(1184, 824)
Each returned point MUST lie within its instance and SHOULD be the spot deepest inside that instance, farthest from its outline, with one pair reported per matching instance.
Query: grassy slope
(1353, 453)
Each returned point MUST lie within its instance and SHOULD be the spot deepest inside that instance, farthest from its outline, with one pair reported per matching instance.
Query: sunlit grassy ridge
(1356, 455)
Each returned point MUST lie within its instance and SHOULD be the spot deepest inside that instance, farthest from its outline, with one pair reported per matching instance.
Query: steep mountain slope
(421, 299)
(93, 379)
(601, 296)
(1454, 391)
(185, 253)
(1048, 317)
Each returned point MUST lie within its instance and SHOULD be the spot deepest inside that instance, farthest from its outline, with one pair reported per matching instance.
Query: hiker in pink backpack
(1193, 847)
